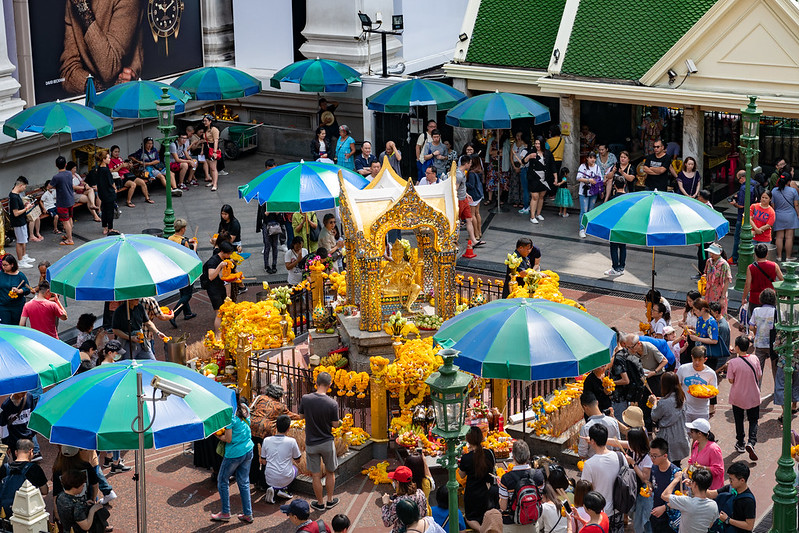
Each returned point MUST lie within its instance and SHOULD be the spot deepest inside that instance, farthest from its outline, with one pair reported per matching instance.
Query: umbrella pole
(141, 487)
(653, 268)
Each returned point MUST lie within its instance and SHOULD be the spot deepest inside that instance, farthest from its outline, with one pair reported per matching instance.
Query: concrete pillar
(218, 43)
(693, 135)
(9, 103)
(461, 136)
(332, 33)
(570, 123)
(28, 508)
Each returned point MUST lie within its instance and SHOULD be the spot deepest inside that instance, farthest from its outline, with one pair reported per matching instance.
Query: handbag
(273, 228)
(313, 233)
(220, 448)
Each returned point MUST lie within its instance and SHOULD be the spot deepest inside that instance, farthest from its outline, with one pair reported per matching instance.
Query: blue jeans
(103, 484)
(525, 187)
(289, 233)
(241, 467)
(736, 240)
(587, 203)
(643, 509)
(618, 255)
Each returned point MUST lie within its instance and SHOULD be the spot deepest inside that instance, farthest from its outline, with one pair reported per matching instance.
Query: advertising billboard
(113, 40)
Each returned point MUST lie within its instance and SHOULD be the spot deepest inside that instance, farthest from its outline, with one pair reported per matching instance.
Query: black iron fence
(301, 310)
(468, 287)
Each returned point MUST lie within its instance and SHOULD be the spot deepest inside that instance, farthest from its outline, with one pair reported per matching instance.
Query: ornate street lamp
(750, 147)
(448, 393)
(166, 123)
(784, 513)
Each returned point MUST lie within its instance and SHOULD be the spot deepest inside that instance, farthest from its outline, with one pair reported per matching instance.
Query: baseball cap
(668, 330)
(700, 424)
(114, 346)
(69, 451)
(402, 474)
(298, 508)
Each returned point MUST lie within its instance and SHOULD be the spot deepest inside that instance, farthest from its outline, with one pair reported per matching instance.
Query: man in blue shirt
(364, 161)
(740, 202)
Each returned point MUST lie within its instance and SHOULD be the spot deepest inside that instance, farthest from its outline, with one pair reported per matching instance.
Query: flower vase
(396, 344)
(512, 283)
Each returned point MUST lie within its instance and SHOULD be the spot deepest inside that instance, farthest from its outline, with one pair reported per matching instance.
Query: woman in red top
(760, 275)
(763, 218)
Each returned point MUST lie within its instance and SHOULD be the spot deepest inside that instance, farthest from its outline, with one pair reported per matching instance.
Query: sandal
(67, 243)
(478, 243)
(149, 201)
(130, 204)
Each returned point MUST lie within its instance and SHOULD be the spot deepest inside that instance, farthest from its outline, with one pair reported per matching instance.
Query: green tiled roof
(515, 33)
(622, 39)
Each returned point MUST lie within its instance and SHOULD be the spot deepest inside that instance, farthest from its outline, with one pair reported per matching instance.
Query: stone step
(349, 465)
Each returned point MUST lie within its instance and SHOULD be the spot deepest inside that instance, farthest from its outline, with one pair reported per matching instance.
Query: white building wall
(429, 41)
(263, 34)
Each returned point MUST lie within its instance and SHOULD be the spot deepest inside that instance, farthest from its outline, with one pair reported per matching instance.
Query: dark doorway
(298, 11)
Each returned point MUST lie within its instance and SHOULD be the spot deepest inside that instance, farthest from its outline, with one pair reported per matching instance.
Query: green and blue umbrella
(95, 410)
(217, 83)
(655, 218)
(123, 267)
(30, 359)
(401, 97)
(304, 186)
(528, 339)
(91, 92)
(136, 99)
(51, 118)
(496, 111)
(317, 75)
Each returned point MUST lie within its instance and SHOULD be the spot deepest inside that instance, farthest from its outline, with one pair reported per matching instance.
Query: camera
(168, 387)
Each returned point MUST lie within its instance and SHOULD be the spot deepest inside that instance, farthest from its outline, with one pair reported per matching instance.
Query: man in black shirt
(24, 469)
(656, 168)
(521, 474)
(744, 507)
(17, 210)
(320, 412)
(531, 258)
(128, 321)
(211, 279)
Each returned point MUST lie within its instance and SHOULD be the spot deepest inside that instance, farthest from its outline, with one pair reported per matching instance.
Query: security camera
(169, 387)
(691, 66)
(672, 76)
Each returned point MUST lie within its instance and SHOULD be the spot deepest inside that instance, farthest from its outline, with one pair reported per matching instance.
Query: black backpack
(11, 483)
(634, 391)
(625, 486)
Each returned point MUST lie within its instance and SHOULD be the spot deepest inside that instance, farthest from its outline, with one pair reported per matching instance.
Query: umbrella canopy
(303, 186)
(217, 83)
(527, 338)
(136, 99)
(30, 358)
(95, 410)
(654, 218)
(317, 75)
(495, 111)
(123, 267)
(51, 118)
(401, 97)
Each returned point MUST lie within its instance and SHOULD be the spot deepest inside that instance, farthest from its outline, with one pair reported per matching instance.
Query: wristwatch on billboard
(164, 19)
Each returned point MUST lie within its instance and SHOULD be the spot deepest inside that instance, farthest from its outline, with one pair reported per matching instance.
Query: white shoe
(582, 234)
(27, 259)
(282, 248)
(612, 272)
(222, 172)
(270, 495)
(565, 215)
(108, 498)
(539, 217)
(24, 265)
(534, 220)
(283, 494)
(524, 210)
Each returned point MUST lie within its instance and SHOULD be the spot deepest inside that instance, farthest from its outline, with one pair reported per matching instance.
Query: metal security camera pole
(383, 44)
(141, 492)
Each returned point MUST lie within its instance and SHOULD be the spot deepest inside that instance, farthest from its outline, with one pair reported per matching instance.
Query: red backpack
(526, 505)
(315, 527)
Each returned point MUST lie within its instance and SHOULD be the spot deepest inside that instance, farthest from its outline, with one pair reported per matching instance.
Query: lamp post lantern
(750, 147)
(448, 393)
(784, 512)
(166, 123)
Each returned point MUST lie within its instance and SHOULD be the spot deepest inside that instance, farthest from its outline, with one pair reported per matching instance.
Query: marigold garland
(544, 285)
(261, 321)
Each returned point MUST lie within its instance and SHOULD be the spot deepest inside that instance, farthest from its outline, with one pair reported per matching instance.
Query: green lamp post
(166, 123)
(750, 147)
(448, 392)
(784, 513)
